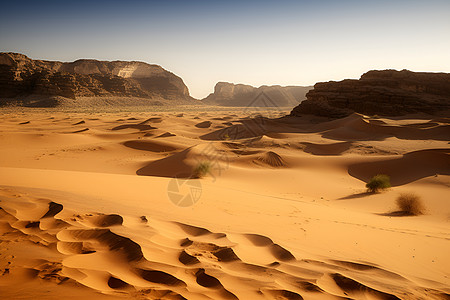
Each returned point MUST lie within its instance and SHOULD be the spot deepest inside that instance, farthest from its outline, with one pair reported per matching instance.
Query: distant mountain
(384, 92)
(21, 76)
(229, 94)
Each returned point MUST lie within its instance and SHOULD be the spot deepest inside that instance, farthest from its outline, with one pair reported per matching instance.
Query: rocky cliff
(21, 76)
(387, 92)
(229, 94)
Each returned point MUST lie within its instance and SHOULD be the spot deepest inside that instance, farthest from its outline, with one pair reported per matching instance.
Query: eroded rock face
(387, 92)
(21, 76)
(229, 94)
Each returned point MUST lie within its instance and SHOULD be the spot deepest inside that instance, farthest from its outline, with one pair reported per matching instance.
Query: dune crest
(271, 159)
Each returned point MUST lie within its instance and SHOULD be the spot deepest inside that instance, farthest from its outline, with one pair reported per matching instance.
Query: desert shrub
(410, 204)
(378, 182)
(202, 169)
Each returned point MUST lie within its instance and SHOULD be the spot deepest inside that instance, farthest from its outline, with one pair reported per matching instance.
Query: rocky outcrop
(21, 76)
(229, 94)
(387, 92)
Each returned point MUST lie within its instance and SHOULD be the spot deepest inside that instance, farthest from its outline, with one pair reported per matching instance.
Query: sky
(263, 42)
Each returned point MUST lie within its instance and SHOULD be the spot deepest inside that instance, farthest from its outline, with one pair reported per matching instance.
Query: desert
(225, 150)
(90, 209)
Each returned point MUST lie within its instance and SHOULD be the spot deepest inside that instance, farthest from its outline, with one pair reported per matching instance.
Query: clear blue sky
(253, 42)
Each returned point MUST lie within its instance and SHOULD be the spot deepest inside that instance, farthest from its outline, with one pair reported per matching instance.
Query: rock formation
(229, 94)
(387, 92)
(21, 76)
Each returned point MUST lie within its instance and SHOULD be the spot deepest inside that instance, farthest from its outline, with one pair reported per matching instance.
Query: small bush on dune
(378, 182)
(410, 204)
(202, 169)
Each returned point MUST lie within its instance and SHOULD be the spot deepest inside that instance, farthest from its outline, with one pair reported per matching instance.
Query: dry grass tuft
(410, 204)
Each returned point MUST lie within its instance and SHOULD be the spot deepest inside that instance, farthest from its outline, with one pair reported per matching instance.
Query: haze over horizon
(254, 42)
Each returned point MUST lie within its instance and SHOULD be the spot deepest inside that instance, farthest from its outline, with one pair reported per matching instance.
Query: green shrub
(410, 204)
(378, 182)
(202, 169)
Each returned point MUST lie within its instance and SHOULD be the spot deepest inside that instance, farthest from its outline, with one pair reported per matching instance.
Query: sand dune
(204, 124)
(410, 167)
(172, 166)
(166, 134)
(271, 159)
(356, 127)
(86, 207)
(150, 146)
(181, 164)
(152, 120)
(111, 253)
(327, 149)
(81, 130)
(134, 126)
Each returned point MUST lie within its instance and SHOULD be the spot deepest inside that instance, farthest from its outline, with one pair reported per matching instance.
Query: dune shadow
(410, 167)
(171, 166)
(398, 213)
(140, 127)
(151, 146)
(356, 196)
(327, 149)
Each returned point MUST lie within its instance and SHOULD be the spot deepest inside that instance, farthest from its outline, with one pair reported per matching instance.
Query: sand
(104, 206)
